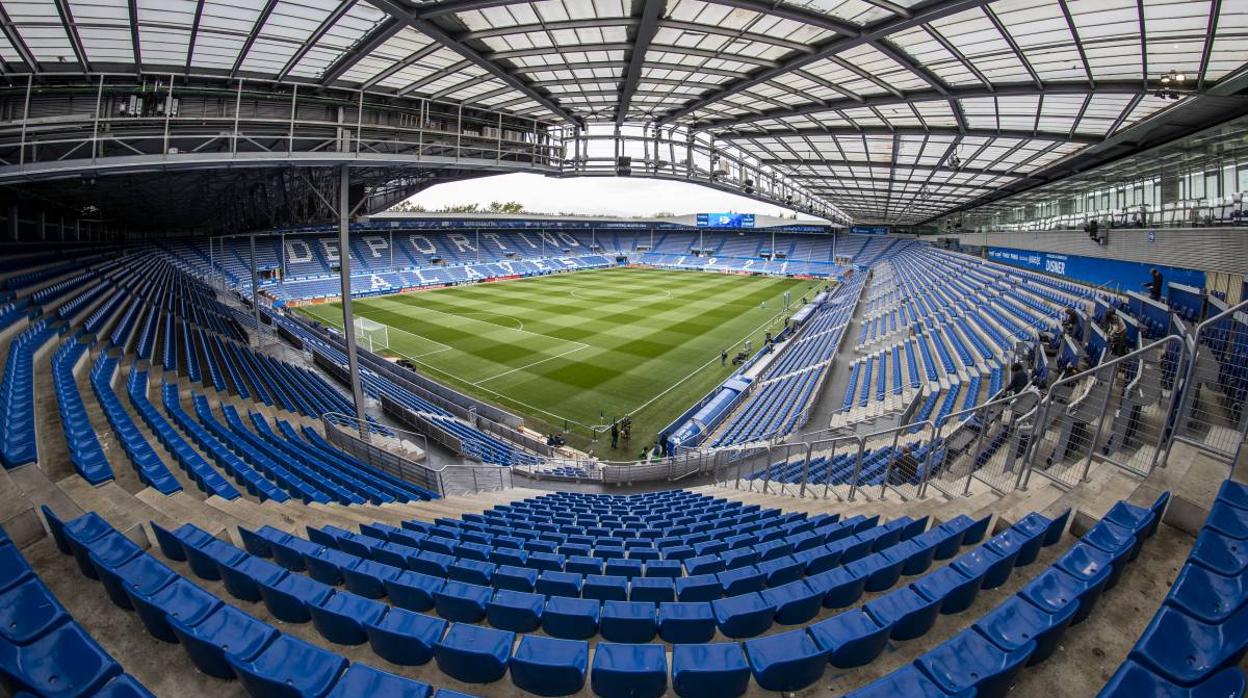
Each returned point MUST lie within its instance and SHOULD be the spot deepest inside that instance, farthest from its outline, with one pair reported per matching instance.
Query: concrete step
(109, 500)
(17, 512)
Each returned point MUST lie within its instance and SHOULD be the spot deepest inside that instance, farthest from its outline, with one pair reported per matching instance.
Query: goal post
(371, 335)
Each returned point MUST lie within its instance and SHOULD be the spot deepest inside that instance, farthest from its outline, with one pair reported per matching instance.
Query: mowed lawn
(583, 347)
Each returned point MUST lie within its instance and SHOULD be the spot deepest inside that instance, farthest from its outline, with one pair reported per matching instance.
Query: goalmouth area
(575, 350)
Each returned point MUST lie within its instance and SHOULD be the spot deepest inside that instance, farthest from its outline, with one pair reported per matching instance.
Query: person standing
(615, 434)
(1155, 286)
(723, 358)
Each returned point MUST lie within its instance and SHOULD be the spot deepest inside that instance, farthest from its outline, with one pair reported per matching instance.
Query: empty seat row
(43, 651)
(1200, 632)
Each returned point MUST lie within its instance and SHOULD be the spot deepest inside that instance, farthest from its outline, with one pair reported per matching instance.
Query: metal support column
(255, 289)
(344, 273)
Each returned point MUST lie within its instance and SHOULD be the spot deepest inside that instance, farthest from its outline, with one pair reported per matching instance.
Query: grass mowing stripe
(649, 339)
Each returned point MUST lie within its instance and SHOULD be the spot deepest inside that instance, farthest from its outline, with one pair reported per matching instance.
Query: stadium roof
(893, 110)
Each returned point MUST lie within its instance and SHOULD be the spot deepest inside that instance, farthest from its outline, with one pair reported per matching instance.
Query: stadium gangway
(1211, 417)
(1003, 442)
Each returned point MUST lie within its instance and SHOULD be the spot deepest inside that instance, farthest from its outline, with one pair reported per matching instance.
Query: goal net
(371, 335)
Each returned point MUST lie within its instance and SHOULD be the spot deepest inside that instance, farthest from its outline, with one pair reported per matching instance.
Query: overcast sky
(611, 196)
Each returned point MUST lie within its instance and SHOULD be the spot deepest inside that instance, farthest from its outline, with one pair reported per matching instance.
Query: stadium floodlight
(371, 335)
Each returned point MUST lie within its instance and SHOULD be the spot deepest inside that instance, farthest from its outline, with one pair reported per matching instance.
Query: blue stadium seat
(549, 667)
(474, 654)
(786, 662)
(181, 599)
(1054, 590)
(571, 619)
(517, 611)
(143, 575)
(717, 670)
(1015, 623)
(686, 622)
(364, 680)
(289, 597)
(628, 621)
(907, 612)
(953, 588)
(629, 671)
(1187, 650)
(969, 661)
(850, 639)
(795, 602)
(702, 587)
(226, 631)
(341, 618)
(288, 668)
(652, 590)
(413, 590)
(1132, 680)
(243, 578)
(606, 587)
(63, 662)
(27, 611)
(462, 603)
(403, 637)
(741, 616)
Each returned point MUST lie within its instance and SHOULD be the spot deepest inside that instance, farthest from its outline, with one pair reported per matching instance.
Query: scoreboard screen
(725, 220)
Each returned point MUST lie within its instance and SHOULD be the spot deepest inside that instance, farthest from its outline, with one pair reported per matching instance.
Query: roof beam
(411, 58)
(958, 93)
(651, 11)
(190, 45)
(826, 162)
(915, 131)
(956, 53)
(600, 22)
(71, 30)
(15, 38)
(330, 20)
(434, 77)
(1074, 34)
(132, 6)
(920, 15)
(382, 33)
(251, 36)
(1018, 51)
(905, 182)
(774, 9)
(1215, 10)
(402, 12)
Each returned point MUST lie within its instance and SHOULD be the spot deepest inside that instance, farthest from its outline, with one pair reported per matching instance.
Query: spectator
(905, 467)
(1018, 379)
(1071, 326)
(1155, 286)
(1115, 332)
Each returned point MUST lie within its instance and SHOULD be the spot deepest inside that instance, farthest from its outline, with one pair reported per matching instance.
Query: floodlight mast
(344, 273)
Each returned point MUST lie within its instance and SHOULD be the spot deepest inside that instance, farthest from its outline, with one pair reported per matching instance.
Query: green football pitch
(570, 351)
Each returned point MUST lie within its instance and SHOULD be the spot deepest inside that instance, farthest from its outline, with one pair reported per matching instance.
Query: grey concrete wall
(1222, 250)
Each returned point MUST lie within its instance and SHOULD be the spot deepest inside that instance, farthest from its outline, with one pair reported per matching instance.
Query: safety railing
(986, 443)
(1119, 411)
(1212, 414)
(396, 452)
(456, 479)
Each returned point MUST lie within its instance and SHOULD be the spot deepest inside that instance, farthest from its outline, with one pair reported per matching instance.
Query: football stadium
(695, 348)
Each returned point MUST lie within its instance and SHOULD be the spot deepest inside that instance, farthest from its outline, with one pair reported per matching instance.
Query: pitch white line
(530, 365)
(573, 290)
(513, 329)
(475, 313)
